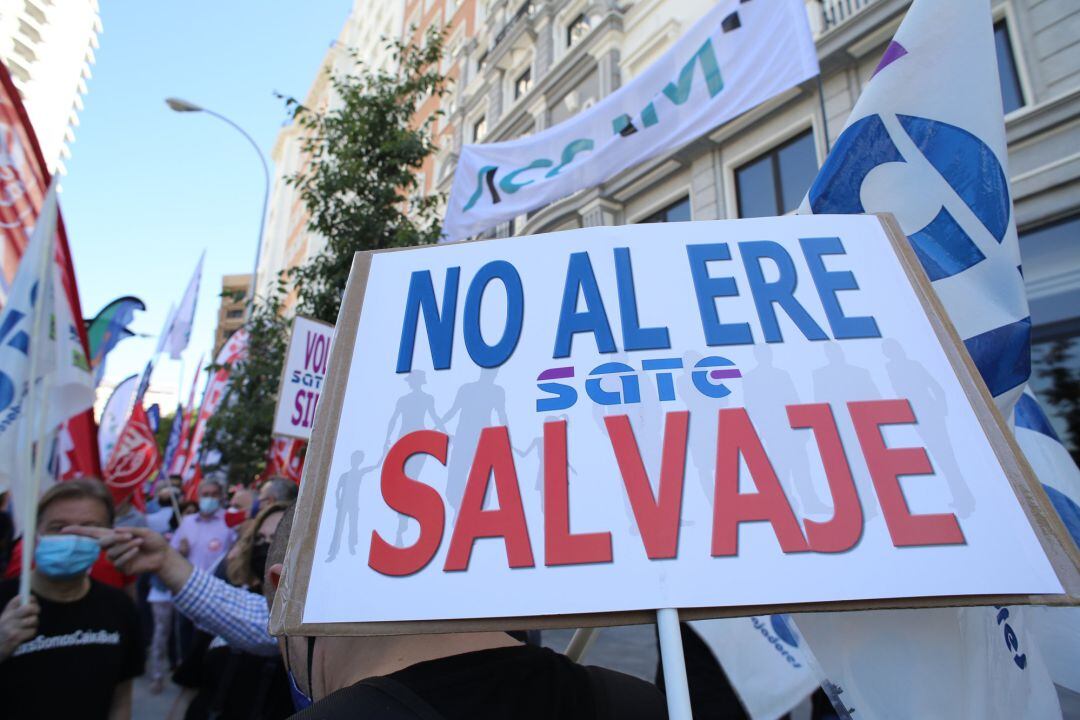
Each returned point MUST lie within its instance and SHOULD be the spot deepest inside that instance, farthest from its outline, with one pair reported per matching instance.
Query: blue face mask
(65, 555)
(209, 505)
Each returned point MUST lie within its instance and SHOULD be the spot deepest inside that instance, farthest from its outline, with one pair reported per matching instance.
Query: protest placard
(730, 418)
(302, 377)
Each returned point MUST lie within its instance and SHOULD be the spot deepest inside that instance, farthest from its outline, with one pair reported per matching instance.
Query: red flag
(286, 459)
(24, 180)
(234, 350)
(134, 460)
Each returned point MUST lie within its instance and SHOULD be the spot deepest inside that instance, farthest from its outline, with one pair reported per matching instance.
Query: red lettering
(657, 519)
(413, 498)
(561, 547)
(493, 460)
(737, 436)
(887, 465)
(845, 528)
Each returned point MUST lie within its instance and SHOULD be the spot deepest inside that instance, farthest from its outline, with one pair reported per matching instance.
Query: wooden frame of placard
(285, 369)
(287, 614)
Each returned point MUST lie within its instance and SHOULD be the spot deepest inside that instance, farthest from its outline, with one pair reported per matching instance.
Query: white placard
(680, 364)
(302, 378)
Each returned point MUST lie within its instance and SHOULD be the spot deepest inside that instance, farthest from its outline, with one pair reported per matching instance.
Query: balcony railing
(837, 12)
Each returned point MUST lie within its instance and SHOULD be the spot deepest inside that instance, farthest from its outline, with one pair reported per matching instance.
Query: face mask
(300, 700)
(258, 559)
(209, 505)
(65, 555)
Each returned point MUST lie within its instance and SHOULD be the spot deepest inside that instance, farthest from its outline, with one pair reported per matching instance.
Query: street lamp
(183, 106)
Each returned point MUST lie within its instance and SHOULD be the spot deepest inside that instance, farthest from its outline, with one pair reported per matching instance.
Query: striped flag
(926, 142)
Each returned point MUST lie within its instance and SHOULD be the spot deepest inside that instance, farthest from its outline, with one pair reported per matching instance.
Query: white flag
(60, 384)
(926, 141)
(763, 659)
(180, 328)
(748, 52)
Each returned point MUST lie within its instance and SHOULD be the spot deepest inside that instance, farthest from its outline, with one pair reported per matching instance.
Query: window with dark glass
(479, 129)
(775, 183)
(576, 30)
(678, 211)
(523, 83)
(1011, 95)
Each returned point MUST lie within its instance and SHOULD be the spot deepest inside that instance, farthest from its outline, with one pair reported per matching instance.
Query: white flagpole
(671, 652)
(34, 446)
(580, 643)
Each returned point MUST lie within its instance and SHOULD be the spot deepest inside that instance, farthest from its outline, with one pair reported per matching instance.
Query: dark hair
(90, 488)
(238, 564)
(282, 489)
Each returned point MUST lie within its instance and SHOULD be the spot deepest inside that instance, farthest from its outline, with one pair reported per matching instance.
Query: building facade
(287, 242)
(519, 66)
(234, 295)
(48, 48)
(534, 63)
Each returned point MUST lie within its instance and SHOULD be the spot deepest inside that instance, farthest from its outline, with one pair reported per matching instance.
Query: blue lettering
(485, 355)
(781, 292)
(708, 288)
(580, 277)
(635, 337)
(631, 388)
(828, 283)
(440, 327)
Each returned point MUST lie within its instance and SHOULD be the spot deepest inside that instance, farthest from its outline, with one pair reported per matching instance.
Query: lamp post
(183, 106)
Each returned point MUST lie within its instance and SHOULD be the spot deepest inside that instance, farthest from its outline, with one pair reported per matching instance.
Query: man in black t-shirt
(461, 676)
(73, 651)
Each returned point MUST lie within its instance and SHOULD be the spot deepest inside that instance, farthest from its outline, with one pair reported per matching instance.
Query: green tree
(361, 192)
(361, 187)
(241, 428)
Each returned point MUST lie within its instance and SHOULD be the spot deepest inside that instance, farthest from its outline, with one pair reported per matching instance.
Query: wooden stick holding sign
(711, 418)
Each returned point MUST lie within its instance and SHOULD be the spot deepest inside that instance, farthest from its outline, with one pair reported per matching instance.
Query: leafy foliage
(361, 187)
(240, 430)
(361, 192)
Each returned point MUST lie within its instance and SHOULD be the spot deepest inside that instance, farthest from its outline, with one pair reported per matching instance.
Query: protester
(277, 489)
(73, 650)
(203, 538)
(473, 676)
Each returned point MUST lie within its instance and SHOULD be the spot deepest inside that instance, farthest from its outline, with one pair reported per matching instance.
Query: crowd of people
(182, 592)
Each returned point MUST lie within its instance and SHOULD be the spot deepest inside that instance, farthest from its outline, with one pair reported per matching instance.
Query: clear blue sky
(147, 188)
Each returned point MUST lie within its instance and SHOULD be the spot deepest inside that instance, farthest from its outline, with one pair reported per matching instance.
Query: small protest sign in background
(302, 377)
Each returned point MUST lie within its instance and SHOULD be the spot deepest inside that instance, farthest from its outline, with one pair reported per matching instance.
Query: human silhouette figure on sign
(704, 412)
(912, 381)
(838, 382)
(538, 445)
(413, 410)
(476, 403)
(772, 389)
(347, 494)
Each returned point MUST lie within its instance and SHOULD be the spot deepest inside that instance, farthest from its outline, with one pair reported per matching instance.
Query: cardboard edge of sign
(285, 369)
(287, 614)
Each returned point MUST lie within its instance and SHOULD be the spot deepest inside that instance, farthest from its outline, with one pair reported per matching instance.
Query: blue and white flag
(45, 376)
(738, 55)
(926, 142)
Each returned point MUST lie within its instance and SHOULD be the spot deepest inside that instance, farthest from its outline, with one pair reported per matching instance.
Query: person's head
(210, 494)
(277, 490)
(85, 502)
(296, 651)
(247, 565)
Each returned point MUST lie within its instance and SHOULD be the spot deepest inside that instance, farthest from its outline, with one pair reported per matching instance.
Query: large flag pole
(33, 445)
